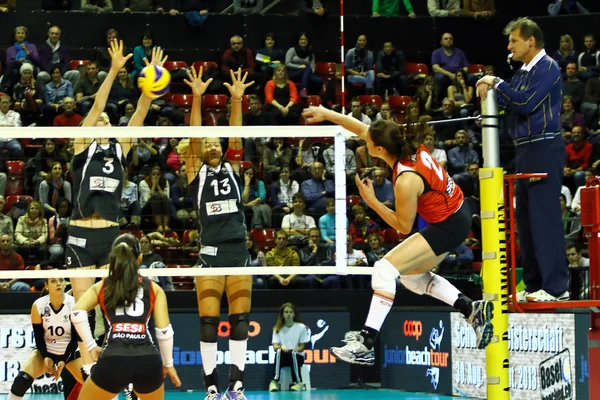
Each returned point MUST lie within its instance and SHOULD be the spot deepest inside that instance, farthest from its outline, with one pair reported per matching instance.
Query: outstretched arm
(319, 114)
(195, 148)
(236, 89)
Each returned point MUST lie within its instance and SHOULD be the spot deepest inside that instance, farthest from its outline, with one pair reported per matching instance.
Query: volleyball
(154, 81)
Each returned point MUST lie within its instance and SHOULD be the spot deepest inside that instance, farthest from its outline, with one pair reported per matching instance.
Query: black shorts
(447, 235)
(227, 254)
(66, 359)
(89, 246)
(115, 373)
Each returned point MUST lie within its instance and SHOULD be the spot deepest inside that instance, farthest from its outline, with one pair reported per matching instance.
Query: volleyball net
(154, 165)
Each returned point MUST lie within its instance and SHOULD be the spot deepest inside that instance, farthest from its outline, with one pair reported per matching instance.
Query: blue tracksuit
(533, 100)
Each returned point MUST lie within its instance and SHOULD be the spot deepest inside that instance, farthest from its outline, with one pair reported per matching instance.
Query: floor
(354, 394)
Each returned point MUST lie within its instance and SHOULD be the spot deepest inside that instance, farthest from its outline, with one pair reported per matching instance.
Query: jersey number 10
(136, 309)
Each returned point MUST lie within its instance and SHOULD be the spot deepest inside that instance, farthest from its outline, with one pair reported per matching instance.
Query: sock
(464, 305)
(209, 357)
(87, 368)
(13, 396)
(380, 308)
(237, 350)
(369, 335)
(442, 290)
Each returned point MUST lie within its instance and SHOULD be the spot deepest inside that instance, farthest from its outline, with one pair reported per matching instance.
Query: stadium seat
(314, 101)
(76, 64)
(12, 200)
(264, 238)
(392, 236)
(205, 65)
(214, 102)
(476, 68)
(326, 70)
(373, 100)
(210, 118)
(15, 168)
(416, 68)
(398, 104)
(244, 165)
(182, 100)
(173, 65)
(171, 235)
(352, 200)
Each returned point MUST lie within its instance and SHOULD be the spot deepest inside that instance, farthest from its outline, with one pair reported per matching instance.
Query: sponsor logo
(413, 328)
(224, 329)
(556, 377)
(128, 327)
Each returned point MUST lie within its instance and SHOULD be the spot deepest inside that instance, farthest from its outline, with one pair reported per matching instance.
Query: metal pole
(342, 56)
(493, 229)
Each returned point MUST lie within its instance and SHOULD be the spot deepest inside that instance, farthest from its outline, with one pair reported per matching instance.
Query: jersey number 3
(221, 186)
(429, 163)
(133, 310)
(108, 166)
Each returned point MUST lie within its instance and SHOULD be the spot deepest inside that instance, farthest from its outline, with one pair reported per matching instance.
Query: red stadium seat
(15, 168)
(398, 103)
(205, 65)
(214, 102)
(314, 101)
(244, 165)
(264, 238)
(171, 235)
(210, 118)
(12, 200)
(476, 68)
(373, 100)
(76, 64)
(353, 200)
(326, 70)
(182, 100)
(173, 65)
(416, 68)
(392, 236)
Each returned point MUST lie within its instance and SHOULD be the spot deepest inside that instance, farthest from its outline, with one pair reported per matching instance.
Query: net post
(495, 272)
(340, 201)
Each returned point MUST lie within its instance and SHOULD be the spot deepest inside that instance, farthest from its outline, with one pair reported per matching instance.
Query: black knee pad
(239, 326)
(208, 329)
(21, 384)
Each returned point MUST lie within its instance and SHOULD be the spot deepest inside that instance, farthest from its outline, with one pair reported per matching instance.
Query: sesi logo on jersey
(103, 184)
(128, 327)
(219, 207)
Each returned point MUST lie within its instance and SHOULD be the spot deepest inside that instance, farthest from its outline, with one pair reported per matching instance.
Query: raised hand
(196, 83)
(157, 57)
(238, 84)
(365, 188)
(315, 115)
(116, 54)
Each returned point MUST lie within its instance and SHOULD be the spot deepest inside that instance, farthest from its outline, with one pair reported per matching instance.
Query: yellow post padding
(495, 279)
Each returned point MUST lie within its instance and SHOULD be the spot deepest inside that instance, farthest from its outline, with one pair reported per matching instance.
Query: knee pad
(417, 283)
(208, 329)
(21, 384)
(239, 326)
(384, 276)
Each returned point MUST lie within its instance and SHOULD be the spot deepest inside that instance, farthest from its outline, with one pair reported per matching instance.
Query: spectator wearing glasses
(238, 57)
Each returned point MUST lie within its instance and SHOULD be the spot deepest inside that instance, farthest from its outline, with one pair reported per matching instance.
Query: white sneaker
(522, 296)
(542, 295)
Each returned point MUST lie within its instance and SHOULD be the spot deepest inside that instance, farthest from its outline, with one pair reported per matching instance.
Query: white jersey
(56, 323)
(292, 336)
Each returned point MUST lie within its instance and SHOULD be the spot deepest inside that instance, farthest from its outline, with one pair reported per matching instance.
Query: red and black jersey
(127, 328)
(441, 197)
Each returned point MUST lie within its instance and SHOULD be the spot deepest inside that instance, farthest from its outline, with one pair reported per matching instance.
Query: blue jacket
(533, 98)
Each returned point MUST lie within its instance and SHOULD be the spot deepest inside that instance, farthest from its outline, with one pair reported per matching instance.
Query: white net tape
(336, 132)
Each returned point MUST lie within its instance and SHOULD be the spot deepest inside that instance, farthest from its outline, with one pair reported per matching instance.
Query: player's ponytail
(122, 284)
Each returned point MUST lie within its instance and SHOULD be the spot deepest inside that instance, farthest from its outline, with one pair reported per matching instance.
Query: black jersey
(127, 328)
(218, 198)
(98, 174)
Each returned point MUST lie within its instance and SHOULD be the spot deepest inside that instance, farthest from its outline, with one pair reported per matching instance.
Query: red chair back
(416, 68)
(205, 65)
(173, 65)
(374, 100)
(15, 168)
(314, 101)
(182, 100)
(476, 68)
(214, 102)
(326, 70)
(12, 200)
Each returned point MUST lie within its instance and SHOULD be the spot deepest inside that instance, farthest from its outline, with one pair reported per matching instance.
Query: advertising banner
(542, 357)
(415, 352)
(326, 330)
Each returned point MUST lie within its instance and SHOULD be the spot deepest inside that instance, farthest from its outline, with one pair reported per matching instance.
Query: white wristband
(165, 344)
(79, 318)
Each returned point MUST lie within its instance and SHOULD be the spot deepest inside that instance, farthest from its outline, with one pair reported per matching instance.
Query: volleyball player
(129, 353)
(55, 340)
(420, 186)
(215, 186)
(98, 171)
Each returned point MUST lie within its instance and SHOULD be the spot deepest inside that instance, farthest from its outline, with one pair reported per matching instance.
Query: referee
(532, 101)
